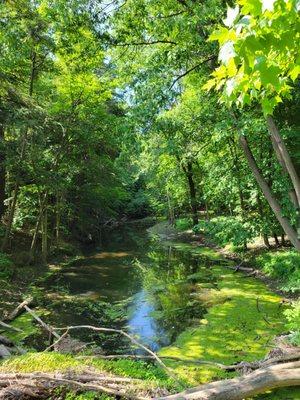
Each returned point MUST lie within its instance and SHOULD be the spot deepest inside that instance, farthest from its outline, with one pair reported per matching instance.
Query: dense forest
(181, 114)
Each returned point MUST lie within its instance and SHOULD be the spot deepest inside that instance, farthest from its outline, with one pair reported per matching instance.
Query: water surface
(129, 281)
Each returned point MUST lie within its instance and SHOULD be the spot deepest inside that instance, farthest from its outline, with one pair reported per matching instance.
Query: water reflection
(132, 282)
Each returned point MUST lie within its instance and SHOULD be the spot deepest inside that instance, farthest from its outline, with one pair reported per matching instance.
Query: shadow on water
(129, 281)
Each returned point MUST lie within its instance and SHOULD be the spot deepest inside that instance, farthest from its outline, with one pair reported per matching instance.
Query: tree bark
(188, 169)
(37, 226)
(11, 216)
(284, 222)
(283, 156)
(45, 235)
(170, 209)
(259, 381)
(2, 173)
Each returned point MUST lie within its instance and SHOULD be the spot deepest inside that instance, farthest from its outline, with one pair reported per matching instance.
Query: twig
(42, 323)
(132, 339)
(10, 327)
(18, 309)
(57, 341)
(191, 69)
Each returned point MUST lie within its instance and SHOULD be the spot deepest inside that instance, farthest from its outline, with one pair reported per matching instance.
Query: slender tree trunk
(193, 195)
(276, 239)
(207, 211)
(284, 157)
(170, 209)
(11, 216)
(282, 240)
(45, 235)
(284, 222)
(37, 227)
(261, 213)
(57, 217)
(32, 72)
(2, 173)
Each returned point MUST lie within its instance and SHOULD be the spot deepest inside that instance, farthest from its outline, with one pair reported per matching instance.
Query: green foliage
(224, 230)
(293, 317)
(183, 224)
(6, 266)
(255, 45)
(282, 265)
(86, 396)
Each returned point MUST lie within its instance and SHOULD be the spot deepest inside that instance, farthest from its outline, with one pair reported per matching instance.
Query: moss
(25, 323)
(133, 369)
(53, 362)
(42, 362)
(243, 319)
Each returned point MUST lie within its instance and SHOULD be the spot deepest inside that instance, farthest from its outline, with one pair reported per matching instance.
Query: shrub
(293, 322)
(6, 266)
(183, 224)
(282, 265)
(225, 230)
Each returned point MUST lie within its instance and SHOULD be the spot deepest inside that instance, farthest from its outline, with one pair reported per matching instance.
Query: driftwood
(42, 323)
(145, 357)
(7, 342)
(38, 385)
(243, 365)
(4, 352)
(132, 339)
(7, 326)
(261, 380)
(19, 309)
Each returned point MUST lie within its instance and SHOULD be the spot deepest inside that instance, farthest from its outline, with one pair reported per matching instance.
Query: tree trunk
(259, 381)
(57, 217)
(283, 156)
(276, 239)
(284, 222)
(207, 211)
(193, 195)
(37, 227)
(2, 173)
(45, 235)
(261, 213)
(170, 209)
(11, 216)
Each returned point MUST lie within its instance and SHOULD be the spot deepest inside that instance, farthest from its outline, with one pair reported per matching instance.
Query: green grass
(56, 362)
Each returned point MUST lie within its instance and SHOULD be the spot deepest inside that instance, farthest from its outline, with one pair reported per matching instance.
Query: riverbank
(239, 324)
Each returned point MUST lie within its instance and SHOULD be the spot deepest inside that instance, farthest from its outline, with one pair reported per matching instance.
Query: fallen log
(4, 352)
(132, 339)
(233, 367)
(145, 357)
(259, 381)
(7, 342)
(42, 323)
(35, 385)
(19, 309)
(7, 326)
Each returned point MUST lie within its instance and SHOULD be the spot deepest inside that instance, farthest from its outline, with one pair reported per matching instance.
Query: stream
(154, 289)
(130, 280)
